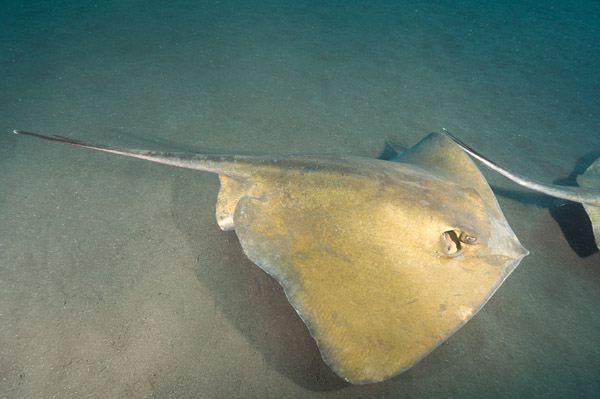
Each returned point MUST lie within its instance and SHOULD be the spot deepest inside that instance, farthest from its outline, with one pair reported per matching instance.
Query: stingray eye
(450, 243)
(468, 238)
(453, 241)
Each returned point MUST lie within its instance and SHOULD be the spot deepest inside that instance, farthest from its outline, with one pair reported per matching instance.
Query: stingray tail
(221, 164)
(584, 195)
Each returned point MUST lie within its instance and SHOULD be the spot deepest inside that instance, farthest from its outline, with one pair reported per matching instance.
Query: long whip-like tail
(584, 195)
(221, 164)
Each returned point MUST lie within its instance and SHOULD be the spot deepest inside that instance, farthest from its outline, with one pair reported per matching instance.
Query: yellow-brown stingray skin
(356, 244)
(591, 178)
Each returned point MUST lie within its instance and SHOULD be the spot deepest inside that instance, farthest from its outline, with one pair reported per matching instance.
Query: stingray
(591, 179)
(382, 260)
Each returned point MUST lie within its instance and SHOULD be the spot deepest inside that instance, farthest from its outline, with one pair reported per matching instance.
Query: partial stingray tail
(221, 164)
(589, 195)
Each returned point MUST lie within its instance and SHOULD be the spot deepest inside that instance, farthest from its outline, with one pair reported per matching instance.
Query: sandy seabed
(115, 280)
